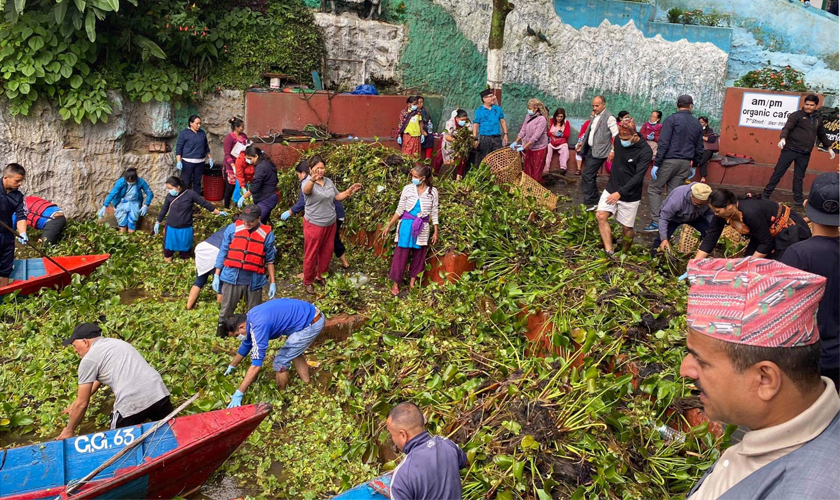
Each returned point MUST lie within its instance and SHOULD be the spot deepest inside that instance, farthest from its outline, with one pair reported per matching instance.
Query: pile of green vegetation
(72, 53)
(577, 423)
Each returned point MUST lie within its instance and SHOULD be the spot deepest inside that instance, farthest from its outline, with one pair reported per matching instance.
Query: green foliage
(787, 79)
(698, 17)
(167, 51)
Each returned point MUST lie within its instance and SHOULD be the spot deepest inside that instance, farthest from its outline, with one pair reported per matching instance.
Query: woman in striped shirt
(417, 208)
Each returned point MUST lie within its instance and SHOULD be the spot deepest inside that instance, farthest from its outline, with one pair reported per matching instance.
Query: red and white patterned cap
(754, 301)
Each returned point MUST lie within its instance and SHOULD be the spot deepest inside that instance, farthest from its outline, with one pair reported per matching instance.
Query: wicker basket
(689, 242)
(530, 187)
(505, 165)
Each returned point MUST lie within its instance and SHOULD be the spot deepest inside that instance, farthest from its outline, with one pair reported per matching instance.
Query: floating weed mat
(578, 423)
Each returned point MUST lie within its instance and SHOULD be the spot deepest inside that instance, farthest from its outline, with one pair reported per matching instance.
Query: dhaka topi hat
(754, 301)
(485, 93)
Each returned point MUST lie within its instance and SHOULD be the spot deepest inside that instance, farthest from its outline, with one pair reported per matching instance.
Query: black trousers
(53, 229)
(704, 163)
(338, 245)
(228, 193)
(486, 145)
(589, 180)
(192, 175)
(157, 411)
(800, 165)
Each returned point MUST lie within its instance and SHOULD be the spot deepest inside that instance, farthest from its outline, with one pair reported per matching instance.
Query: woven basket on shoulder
(689, 241)
(505, 166)
(530, 187)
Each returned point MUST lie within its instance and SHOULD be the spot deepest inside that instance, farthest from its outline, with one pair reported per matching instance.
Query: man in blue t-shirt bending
(300, 321)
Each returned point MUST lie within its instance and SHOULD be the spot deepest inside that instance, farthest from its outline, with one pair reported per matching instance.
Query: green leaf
(80, 4)
(114, 4)
(76, 81)
(24, 88)
(528, 442)
(503, 461)
(150, 46)
(90, 24)
(11, 94)
(66, 70)
(60, 12)
(543, 495)
(19, 5)
(35, 43)
(28, 70)
(14, 84)
(147, 97)
(518, 469)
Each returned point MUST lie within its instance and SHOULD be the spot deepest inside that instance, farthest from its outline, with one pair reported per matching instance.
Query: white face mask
(240, 337)
(248, 161)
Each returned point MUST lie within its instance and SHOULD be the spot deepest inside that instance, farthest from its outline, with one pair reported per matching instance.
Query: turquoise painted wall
(591, 13)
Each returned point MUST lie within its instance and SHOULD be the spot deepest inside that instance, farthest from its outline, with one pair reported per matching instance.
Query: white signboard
(767, 110)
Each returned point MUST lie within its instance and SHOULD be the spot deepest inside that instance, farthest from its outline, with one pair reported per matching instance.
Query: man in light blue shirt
(300, 321)
(489, 126)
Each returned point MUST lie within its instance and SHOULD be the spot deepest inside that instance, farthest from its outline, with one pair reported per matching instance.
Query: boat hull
(53, 276)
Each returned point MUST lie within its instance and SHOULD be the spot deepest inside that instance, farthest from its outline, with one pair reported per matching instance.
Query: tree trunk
(501, 8)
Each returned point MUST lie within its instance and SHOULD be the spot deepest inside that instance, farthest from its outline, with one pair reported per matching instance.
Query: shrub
(787, 79)
(697, 17)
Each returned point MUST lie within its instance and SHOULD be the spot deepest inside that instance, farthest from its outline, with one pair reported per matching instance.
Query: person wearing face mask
(319, 222)
(191, 151)
(245, 258)
(244, 170)
(139, 391)
(651, 129)
(710, 145)
(235, 141)
(533, 139)
(411, 133)
(302, 172)
(417, 208)
(11, 206)
(770, 226)
(428, 144)
(459, 120)
(623, 192)
(558, 137)
(263, 187)
(178, 204)
(431, 464)
(131, 197)
(300, 322)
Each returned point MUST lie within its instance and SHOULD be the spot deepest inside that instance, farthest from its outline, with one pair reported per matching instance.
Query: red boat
(172, 462)
(31, 275)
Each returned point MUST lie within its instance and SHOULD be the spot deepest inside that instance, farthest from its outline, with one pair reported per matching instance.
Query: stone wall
(358, 49)
(76, 165)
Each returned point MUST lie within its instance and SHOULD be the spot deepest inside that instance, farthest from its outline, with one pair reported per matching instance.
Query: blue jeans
(296, 344)
(700, 223)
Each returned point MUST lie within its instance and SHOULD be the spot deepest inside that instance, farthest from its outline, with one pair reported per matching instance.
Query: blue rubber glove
(241, 202)
(520, 149)
(684, 276)
(653, 172)
(236, 399)
(230, 368)
(399, 140)
(157, 227)
(23, 238)
(513, 146)
(285, 215)
(222, 213)
(272, 290)
(651, 136)
(144, 210)
(211, 162)
(217, 284)
(691, 173)
(100, 213)
(558, 134)
(179, 166)
(422, 139)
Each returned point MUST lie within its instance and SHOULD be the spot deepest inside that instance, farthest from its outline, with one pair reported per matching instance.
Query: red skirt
(534, 163)
(410, 145)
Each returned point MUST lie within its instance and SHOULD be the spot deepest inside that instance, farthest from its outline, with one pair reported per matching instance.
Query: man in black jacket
(798, 136)
(623, 192)
(680, 143)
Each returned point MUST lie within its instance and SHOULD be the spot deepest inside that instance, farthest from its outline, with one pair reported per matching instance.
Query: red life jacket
(247, 250)
(35, 208)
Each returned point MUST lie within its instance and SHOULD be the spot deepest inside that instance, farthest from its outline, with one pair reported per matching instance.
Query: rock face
(358, 49)
(607, 59)
(75, 166)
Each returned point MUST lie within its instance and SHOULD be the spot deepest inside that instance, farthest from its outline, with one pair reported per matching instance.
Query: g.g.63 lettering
(99, 441)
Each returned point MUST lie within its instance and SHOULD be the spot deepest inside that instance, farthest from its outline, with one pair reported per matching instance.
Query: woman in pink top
(651, 129)
(236, 136)
(533, 139)
(558, 140)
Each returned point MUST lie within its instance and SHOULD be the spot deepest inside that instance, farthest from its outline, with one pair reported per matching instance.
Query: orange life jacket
(247, 250)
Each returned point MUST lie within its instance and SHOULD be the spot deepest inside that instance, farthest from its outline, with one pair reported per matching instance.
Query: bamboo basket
(505, 166)
(689, 242)
(530, 187)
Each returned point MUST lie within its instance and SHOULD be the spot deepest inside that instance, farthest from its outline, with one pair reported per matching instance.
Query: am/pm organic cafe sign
(767, 110)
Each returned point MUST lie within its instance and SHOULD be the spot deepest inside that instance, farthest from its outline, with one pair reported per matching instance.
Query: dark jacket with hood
(802, 130)
(628, 169)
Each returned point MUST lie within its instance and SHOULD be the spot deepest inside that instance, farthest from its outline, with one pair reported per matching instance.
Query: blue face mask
(626, 144)
(414, 181)
(461, 123)
(413, 107)
(530, 111)
(173, 192)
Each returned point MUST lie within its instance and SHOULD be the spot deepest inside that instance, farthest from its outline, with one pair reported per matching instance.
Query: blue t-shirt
(272, 320)
(488, 120)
